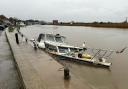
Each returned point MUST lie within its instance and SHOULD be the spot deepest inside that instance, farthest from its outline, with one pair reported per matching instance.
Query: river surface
(106, 38)
(9, 78)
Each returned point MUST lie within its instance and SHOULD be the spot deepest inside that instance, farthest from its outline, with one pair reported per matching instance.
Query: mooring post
(16, 36)
(35, 46)
(26, 40)
(66, 73)
(22, 35)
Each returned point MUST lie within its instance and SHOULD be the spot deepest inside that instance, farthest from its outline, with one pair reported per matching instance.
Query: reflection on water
(106, 38)
(67, 84)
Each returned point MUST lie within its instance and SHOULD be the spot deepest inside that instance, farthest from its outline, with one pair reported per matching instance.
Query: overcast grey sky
(66, 10)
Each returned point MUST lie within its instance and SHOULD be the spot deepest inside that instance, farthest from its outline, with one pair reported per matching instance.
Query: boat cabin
(61, 48)
(51, 37)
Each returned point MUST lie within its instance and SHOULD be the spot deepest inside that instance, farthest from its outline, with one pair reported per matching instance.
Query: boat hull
(82, 61)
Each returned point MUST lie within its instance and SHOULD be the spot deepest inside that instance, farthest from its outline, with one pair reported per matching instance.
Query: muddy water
(107, 38)
(8, 75)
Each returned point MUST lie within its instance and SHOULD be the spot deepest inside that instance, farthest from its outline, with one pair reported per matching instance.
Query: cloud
(66, 10)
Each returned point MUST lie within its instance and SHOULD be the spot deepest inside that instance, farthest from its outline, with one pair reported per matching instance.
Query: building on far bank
(72, 22)
(125, 21)
(32, 22)
(2, 17)
(4, 20)
(55, 21)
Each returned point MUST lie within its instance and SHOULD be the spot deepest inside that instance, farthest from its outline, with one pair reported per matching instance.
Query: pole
(66, 73)
(16, 36)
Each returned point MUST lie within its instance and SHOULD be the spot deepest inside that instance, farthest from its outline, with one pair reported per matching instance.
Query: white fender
(41, 45)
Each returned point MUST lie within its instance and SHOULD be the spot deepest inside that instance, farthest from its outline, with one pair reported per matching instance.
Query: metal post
(66, 73)
(16, 36)
(22, 35)
(26, 40)
(35, 46)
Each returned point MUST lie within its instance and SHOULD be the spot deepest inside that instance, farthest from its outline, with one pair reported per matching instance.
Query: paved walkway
(9, 78)
(38, 70)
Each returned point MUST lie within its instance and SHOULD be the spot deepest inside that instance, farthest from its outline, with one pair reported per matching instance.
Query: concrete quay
(38, 70)
(9, 78)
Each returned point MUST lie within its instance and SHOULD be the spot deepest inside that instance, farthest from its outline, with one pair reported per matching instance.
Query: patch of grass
(10, 28)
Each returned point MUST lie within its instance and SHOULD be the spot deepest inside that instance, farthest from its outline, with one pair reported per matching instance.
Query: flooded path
(9, 78)
(107, 38)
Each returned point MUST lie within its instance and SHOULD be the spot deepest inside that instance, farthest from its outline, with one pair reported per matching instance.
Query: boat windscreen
(59, 39)
(50, 37)
(74, 49)
(51, 48)
(63, 49)
(81, 49)
(43, 37)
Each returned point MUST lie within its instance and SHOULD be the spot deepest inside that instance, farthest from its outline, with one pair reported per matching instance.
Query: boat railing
(100, 53)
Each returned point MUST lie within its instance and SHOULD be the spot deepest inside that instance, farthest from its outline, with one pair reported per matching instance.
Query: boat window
(43, 37)
(58, 39)
(63, 50)
(50, 37)
(80, 49)
(74, 50)
(63, 38)
(51, 48)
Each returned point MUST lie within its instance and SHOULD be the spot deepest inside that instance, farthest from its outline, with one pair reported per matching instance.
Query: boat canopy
(51, 37)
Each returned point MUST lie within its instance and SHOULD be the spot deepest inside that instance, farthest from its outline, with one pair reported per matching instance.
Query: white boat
(67, 52)
(56, 45)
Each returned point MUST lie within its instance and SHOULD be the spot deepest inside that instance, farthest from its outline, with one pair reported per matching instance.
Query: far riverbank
(96, 24)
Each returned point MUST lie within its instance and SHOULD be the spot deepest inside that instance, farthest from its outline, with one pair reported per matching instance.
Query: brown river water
(106, 38)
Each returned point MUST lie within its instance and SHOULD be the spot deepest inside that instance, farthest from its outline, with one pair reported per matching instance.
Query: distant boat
(2, 27)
